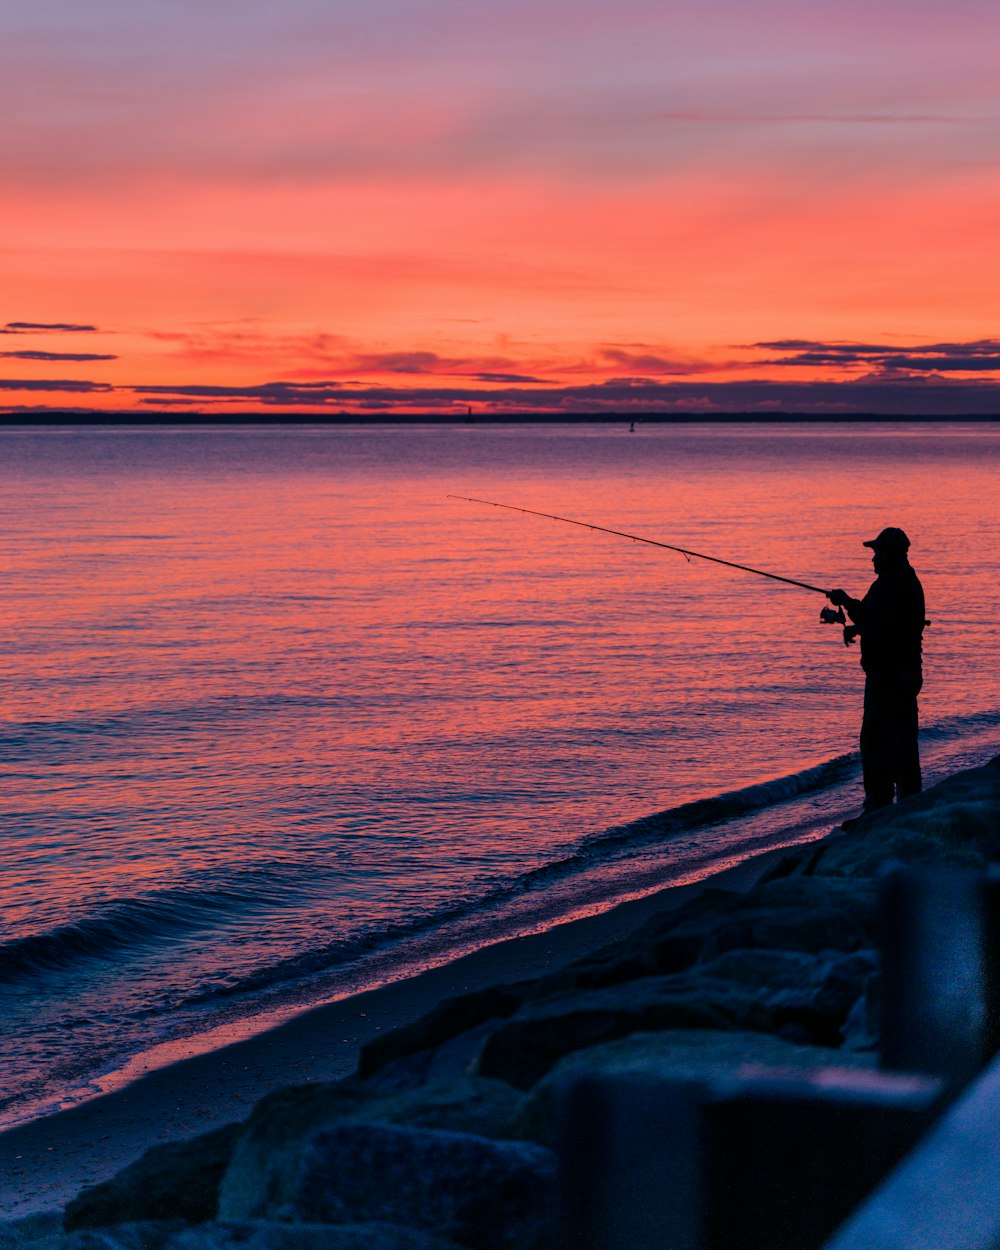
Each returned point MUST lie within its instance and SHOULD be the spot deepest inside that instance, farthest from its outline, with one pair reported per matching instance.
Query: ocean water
(280, 720)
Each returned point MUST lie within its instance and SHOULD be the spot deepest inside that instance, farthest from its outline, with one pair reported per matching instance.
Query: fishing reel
(835, 616)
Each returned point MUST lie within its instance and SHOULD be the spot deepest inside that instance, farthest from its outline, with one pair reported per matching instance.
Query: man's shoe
(853, 821)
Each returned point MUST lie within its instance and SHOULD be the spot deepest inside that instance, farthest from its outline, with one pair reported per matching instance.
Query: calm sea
(280, 720)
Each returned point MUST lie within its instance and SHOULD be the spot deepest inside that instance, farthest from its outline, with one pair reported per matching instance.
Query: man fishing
(890, 622)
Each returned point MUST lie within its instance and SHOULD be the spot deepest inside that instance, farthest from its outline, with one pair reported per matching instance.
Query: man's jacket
(890, 620)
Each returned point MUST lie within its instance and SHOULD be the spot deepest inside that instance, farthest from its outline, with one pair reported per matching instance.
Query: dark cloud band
(54, 356)
(978, 356)
(886, 398)
(47, 327)
(54, 384)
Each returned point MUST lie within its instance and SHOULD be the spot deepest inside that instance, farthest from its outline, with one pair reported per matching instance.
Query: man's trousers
(890, 757)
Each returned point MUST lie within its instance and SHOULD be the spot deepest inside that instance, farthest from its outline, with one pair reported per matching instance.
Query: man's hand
(850, 633)
(839, 598)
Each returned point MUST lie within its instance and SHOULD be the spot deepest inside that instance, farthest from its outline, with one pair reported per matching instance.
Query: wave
(950, 727)
(589, 852)
(36, 740)
(170, 916)
(131, 924)
(731, 803)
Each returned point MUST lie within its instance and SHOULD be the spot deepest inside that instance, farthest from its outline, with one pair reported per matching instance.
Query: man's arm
(855, 608)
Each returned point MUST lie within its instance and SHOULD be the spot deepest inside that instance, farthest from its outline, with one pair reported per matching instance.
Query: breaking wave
(126, 927)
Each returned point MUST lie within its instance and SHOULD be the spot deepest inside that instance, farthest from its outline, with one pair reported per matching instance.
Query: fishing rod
(637, 538)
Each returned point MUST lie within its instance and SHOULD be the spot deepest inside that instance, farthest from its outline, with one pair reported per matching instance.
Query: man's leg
(876, 747)
(907, 751)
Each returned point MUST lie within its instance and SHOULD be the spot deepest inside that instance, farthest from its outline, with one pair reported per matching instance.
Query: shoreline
(435, 949)
(95, 417)
(47, 1161)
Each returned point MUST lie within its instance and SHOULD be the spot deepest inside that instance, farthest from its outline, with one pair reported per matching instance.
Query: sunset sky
(420, 205)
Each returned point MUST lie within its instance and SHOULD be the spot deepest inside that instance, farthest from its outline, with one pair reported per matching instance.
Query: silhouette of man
(890, 622)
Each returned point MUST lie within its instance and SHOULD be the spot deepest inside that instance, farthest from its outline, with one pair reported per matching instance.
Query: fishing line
(744, 568)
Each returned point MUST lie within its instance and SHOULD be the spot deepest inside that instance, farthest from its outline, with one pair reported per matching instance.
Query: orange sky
(556, 207)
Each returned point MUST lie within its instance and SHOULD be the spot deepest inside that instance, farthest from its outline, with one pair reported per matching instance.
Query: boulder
(803, 914)
(792, 913)
(179, 1180)
(174, 1235)
(675, 1054)
(953, 823)
(268, 1155)
(863, 854)
(859, 1032)
(629, 958)
(525, 1047)
(454, 1057)
(810, 996)
(759, 970)
(265, 1236)
(485, 1195)
(448, 1019)
(31, 1230)
(143, 1235)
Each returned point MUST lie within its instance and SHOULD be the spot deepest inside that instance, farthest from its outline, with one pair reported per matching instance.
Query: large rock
(796, 914)
(454, 1057)
(810, 996)
(179, 1180)
(675, 1054)
(266, 1236)
(486, 1195)
(268, 1155)
(955, 823)
(31, 1230)
(448, 1019)
(632, 956)
(156, 1235)
(524, 1048)
(173, 1235)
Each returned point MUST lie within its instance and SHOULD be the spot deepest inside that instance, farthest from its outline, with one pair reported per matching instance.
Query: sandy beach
(45, 1163)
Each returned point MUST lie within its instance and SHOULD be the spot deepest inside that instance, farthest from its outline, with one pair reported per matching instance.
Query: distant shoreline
(8, 420)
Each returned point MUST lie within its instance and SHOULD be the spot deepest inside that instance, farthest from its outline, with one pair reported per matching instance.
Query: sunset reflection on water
(271, 693)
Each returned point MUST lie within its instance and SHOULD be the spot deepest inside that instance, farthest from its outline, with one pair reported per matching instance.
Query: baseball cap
(891, 539)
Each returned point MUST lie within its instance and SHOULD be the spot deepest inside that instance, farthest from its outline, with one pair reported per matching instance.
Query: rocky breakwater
(444, 1136)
